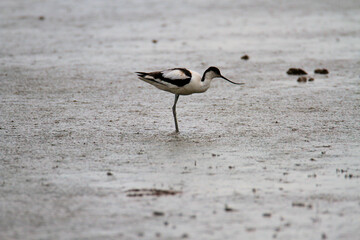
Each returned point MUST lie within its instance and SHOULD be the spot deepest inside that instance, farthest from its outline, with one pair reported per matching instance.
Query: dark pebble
(267, 215)
(302, 79)
(245, 57)
(228, 209)
(321, 71)
(311, 79)
(250, 229)
(109, 173)
(298, 204)
(154, 41)
(296, 71)
(157, 213)
(41, 18)
(185, 235)
(348, 175)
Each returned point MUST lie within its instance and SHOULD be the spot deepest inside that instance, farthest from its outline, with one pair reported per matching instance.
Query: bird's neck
(205, 82)
(207, 76)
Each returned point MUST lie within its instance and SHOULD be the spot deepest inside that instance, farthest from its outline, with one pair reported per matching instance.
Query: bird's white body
(181, 81)
(194, 86)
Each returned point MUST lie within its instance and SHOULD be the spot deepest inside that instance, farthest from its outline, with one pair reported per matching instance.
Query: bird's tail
(141, 74)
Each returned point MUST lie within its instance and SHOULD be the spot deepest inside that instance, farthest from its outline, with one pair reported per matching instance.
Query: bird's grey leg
(174, 112)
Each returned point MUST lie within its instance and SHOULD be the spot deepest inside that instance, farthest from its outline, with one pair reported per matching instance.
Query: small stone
(321, 71)
(154, 41)
(109, 173)
(245, 57)
(296, 71)
(158, 213)
(311, 79)
(298, 204)
(185, 235)
(250, 229)
(267, 215)
(228, 209)
(302, 79)
(41, 18)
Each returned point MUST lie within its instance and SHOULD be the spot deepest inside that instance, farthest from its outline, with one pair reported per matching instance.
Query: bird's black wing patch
(177, 76)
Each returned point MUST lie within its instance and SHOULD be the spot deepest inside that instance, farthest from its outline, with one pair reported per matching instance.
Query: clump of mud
(245, 57)
(300, 204)
(305, 79)
(321, 71)
(135, 192)
(296, 71)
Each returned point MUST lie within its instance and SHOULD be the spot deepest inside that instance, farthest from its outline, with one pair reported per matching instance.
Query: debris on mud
(321, 71)
(158, 213)
(185, 235)
(135, 192)
(250, 229)
(350, 175)
(296, 71)
(300, 204)
(302, 79)
(245, 57)
(267, 215)
(41, 18)
(154, 41)
(311, 79)
(109, 173)
(228, 209)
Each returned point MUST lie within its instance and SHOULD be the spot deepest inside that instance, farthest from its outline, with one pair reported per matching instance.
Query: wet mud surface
(271, 159)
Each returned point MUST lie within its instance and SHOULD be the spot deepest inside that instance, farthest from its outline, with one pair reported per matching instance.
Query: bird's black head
(214, 70)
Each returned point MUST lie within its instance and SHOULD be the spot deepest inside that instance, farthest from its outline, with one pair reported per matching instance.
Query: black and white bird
(182, 81)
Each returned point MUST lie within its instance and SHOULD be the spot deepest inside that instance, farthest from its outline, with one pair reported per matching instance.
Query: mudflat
(88, 151)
